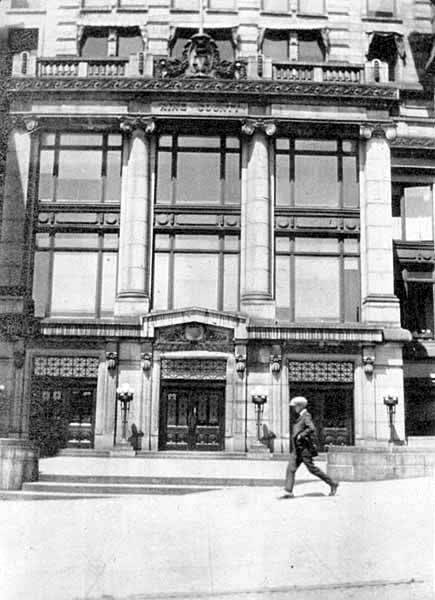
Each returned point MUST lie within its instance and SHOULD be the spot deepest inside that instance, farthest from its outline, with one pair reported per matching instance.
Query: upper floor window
(222, 37)
(80, 167)
(101, 42)
(192, 5)
(412, 212)
(27, 4)
(311, 7)
(283, 45)
(387, 48)
(279, 6)
(381, 8)
(316, 173)
(198, 170)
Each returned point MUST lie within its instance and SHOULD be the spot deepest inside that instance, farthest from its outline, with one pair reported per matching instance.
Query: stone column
(134, 243)
(380, 305)
(257, 223)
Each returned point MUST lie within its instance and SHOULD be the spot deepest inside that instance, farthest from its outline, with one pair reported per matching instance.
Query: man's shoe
(334, 488)
(287, 495)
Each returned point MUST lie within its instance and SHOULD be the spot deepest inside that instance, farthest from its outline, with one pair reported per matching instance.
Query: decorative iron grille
(64, 366)
(320, 371)
(180, 368)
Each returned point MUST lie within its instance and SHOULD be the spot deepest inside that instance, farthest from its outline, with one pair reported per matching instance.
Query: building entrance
(331, 406)
(192, 416)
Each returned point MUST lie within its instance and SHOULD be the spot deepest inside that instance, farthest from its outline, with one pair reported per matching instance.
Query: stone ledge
(347, 463)
(18, 463)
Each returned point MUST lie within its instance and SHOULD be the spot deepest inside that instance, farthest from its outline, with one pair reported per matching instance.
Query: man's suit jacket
(305, 431)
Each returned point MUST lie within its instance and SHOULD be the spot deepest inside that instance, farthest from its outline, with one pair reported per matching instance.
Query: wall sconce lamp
(275, 363)
(112, 360)
(369, 365)
(124, 395)
(147, 361)
(259, 400)
(240, 364)
(391, 403)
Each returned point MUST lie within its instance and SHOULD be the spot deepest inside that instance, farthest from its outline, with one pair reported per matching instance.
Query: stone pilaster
(134, 243)
(257, 221)
(380, 305)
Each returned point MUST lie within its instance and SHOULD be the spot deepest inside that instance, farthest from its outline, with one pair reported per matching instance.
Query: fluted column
(379, 302)
(134, 240)
(257, 225)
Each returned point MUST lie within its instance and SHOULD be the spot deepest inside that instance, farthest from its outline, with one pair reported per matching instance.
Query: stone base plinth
(257, 450)
(347, 463)
(122, 451)
(18, 463)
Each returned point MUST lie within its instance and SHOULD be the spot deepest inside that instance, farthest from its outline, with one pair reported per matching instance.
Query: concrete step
(156, 480)
(112, 489)
(423, 441)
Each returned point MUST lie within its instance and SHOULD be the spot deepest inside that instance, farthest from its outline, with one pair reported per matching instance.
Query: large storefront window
(80, 167)
(412, 207)
(198, 170)
(316, 173)
(75, 274)
(317, 279)
(196, 270)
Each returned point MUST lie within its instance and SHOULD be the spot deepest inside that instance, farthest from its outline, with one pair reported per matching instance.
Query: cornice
(414, 142)
(365, 94)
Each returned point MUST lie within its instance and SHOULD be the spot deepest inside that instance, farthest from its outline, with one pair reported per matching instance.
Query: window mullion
(99, 282)
(50, 275)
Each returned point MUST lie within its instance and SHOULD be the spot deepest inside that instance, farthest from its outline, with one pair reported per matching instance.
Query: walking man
(303, 448)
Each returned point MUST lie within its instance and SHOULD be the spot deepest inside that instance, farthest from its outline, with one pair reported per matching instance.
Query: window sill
(312, 15)
(96, 10)
(26, 11)
(374, 19)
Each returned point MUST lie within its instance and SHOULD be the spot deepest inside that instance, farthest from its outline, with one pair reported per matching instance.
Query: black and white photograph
(217, 317)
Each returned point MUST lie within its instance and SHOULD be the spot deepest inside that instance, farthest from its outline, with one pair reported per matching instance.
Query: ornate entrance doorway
(192, 416)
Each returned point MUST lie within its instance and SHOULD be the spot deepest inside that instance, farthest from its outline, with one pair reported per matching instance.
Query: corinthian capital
(387, 131)
(22, 122)
(249, 126)
(130, 124)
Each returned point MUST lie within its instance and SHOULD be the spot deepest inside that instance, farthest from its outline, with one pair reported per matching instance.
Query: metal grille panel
(320, 371)
(180, 368)
(65, 366)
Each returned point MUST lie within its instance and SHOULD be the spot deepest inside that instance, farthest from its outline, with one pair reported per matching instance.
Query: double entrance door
(62, 414)
(331, 407)
(192, 416)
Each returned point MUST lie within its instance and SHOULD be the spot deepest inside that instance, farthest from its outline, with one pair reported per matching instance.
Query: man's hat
(298, 401)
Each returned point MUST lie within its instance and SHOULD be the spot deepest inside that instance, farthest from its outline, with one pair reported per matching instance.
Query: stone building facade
(216, 203)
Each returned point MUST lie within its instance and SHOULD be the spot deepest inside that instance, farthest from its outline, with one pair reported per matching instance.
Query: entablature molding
(195, 87)
(315, 334)
(331, 224)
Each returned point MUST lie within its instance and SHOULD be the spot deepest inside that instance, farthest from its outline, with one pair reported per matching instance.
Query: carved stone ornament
(194, 336)
(379, 130)
(130, 124)
(249, 126)
(26, 123)
(200, 58)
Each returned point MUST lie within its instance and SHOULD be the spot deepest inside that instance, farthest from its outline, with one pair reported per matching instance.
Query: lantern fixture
(124, 395)
(259, 400)
(275, 363)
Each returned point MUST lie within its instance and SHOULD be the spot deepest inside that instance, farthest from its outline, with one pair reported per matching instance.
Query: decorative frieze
(294, 223)
(64, 366)
(194, 336)
(193, 369)
(320, 371)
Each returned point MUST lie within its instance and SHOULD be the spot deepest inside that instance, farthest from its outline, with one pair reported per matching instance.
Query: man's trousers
(296, 459)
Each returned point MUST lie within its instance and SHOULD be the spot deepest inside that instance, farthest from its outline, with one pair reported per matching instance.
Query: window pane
(113, 177)
(418, 214)
(41, 283)
(316, 245)
(349, 146)
(74, 283)
(316, 181)
(46, 175)
(282, 287)
(282, 180)
(317, 288)
(161, 281)
(47, 139)
(225, 49)
(42, 240)
(282, 244)
(312, 7)
(81, 139)
(162, 241)
(111, 240)
(276, 46)
(221, 4)
(79, 176)
(198, 178)
(95, 46)
(164, 178)
(352, 290)
(114, 139)
(350, 182)
(233, 142)
(196, 242)
(108, 282)
(231, 282)
(232, 243)
(195, 280)
(191, 141)
(351, 246)
(232, 178)
(76, 240)
(381, 7)
(309, 48)
(282, 144)
(129, 44)
(316, 145)
(276, 5)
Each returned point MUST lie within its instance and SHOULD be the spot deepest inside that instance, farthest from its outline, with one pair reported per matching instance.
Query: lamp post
(391, 403)
(124, 395)
(259, 400)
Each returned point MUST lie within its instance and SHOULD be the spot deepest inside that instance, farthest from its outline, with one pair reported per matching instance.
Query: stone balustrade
(329, 72)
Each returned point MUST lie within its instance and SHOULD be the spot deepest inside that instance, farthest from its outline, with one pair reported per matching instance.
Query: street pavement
(371, 541)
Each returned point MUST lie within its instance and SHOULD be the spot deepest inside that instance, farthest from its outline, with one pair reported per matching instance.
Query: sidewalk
(373, 540)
